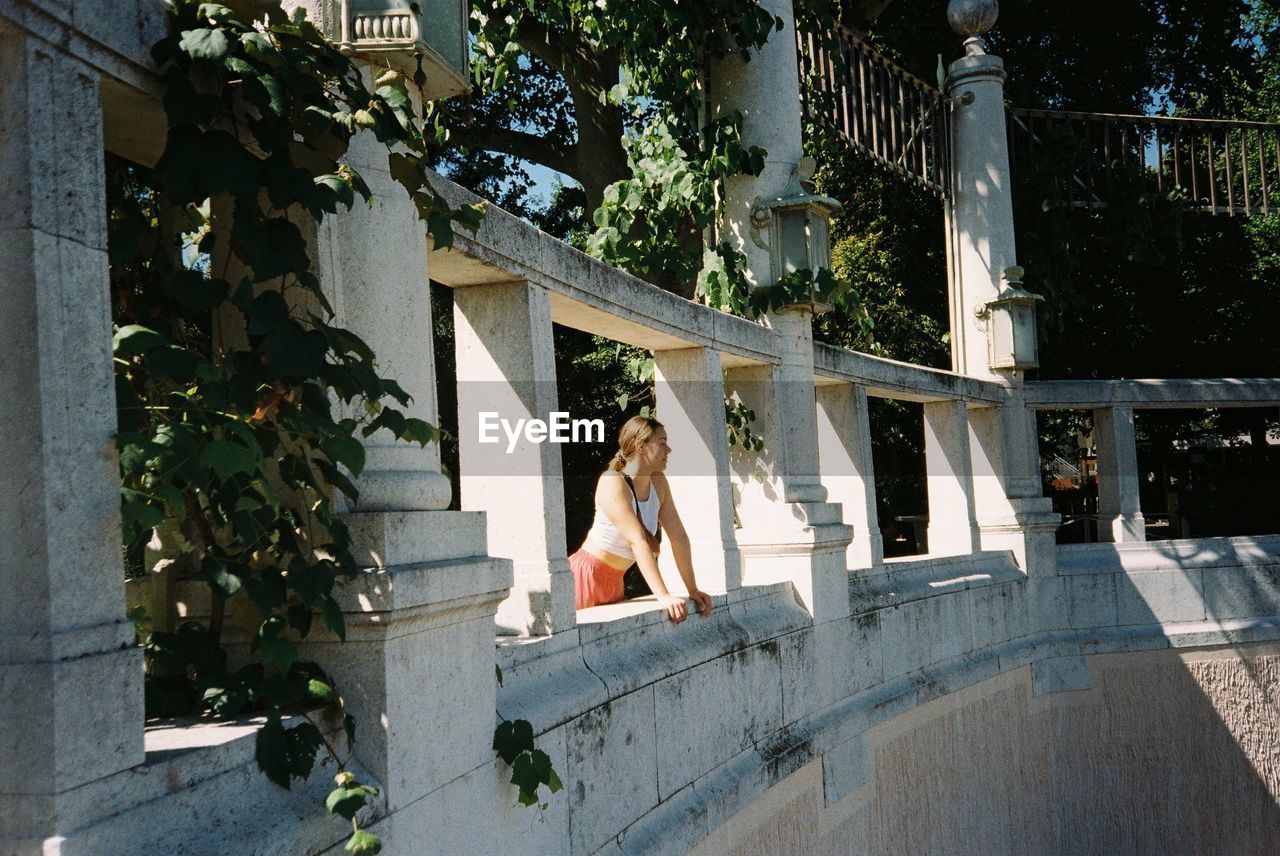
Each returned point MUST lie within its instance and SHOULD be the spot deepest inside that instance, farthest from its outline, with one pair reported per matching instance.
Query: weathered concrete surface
(1169, 752)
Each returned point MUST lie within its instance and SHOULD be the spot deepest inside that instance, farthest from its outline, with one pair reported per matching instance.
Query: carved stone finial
(973, 19)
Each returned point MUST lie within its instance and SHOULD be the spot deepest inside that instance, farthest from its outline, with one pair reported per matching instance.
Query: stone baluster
(1119, 514)
(1012, 513)
(689, 385)
(844, 459)
(506, 367)
(71, 701)
(789, 531)
(953, 529)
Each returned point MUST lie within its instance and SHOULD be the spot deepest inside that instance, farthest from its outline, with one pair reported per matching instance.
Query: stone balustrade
(825, 673)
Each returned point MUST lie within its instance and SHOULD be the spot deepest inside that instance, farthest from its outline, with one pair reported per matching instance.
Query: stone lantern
(795, 226)
(1010, 322)
(409, 35)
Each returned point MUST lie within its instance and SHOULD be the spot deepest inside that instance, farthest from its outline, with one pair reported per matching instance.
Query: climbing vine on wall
(242, 406)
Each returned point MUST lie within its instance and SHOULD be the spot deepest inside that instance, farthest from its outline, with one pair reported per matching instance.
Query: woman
(632, 499)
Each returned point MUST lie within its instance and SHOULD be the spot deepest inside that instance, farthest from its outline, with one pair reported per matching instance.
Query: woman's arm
(615, 499)
(673, 526)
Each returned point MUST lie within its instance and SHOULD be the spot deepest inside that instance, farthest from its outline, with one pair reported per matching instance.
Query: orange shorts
(594, 582)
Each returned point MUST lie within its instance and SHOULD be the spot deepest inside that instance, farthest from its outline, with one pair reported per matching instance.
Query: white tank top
(605, 536)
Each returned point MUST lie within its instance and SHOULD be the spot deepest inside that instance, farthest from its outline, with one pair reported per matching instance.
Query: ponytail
(634, 431)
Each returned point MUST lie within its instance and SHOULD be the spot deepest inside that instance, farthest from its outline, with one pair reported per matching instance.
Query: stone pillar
(1119, 514)
(506, 367)
(848, 474)
(766, 91)
(373, 263)
(953, 527)
(789, 531)
(71, 708)
(689, 385)
(1011, 512)
(980, 220)
(416, 668)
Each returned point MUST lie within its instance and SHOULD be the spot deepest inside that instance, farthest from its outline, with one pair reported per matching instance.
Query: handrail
(876, 107)
(1153, 393)
(1222, 166)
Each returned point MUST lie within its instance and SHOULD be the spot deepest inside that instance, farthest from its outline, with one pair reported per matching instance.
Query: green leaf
(208, 45)
(346, 450)
(141, 515)
(196, 292)
(224, 582)
(346, 802)
(363, 841)
(136, 339)
(319, 689)
(419, 431)
(277, 652)
(226, 458)
(282, 754)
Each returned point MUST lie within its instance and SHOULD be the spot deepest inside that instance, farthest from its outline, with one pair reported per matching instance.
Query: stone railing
(1113, 403)
(818, 651)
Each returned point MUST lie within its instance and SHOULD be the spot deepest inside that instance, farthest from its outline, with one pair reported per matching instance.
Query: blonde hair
(634, 431)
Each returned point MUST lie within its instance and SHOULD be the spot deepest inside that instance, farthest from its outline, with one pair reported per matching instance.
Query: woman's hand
(702, 601)
(675, 607)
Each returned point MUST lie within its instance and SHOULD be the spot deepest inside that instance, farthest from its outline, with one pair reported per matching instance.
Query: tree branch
(521, 144)
(535, 37)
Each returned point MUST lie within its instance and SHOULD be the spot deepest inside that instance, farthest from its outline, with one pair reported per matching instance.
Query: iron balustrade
(875, 106)
(1217, 166)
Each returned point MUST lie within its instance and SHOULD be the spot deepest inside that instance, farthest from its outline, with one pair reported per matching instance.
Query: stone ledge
(903, 580)
(188, 756)
(588, 294)
(450, 582)
(1174, 555)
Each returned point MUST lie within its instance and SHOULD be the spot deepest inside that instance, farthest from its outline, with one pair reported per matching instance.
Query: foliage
(613, 97)
(228, 365)
(737, 419)
(530, 766)
(652, 223)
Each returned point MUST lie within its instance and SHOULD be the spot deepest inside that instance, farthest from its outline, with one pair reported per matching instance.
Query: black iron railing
(878, 108)
(1217, 166)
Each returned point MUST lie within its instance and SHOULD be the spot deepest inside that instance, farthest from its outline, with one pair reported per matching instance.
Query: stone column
(689, 385)
(980, 220)
(1011, 512)
(1119, 514)
(844, 460)
(373, 263)
(789, 531)
(766, 91)
(953, 527)
(506, 367)
(71, 708)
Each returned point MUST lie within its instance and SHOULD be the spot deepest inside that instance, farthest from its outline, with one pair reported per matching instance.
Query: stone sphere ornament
(973, 19)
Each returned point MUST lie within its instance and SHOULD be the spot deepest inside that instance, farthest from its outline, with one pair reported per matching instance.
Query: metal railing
(876, 107)
(1218, 166)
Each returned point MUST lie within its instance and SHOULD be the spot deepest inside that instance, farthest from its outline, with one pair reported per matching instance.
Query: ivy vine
(242, 407)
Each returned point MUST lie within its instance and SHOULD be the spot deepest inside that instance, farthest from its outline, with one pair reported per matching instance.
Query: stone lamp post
(985, 277)
(795, 226)
(1011, 325)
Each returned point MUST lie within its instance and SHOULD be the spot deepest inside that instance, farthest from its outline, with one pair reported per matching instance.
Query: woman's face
(654, 451)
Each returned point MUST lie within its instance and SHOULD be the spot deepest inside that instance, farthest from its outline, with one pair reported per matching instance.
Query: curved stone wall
(1168, 752)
